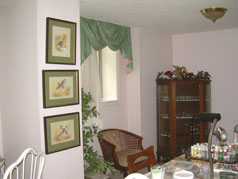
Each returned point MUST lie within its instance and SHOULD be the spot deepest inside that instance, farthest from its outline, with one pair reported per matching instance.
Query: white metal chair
(30, 161)
(2, 167)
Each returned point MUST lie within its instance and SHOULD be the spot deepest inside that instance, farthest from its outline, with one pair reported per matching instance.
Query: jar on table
(228, 175)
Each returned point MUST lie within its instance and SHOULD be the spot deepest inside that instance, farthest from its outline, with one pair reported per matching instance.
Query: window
(108, 67)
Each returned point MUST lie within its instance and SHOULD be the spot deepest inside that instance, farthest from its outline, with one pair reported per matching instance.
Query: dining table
(200, 168)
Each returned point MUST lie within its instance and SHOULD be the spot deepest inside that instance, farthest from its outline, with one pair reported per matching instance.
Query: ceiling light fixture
(214, 13)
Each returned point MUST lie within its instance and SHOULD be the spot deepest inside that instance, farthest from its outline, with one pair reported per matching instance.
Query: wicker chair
(149, 162)
(117, 144)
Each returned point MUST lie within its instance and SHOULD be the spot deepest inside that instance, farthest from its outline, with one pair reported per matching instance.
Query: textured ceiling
(172, 16)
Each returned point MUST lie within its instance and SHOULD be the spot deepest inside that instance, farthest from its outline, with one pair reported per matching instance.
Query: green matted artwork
(60, 42)
(61, 132)
(60, 88)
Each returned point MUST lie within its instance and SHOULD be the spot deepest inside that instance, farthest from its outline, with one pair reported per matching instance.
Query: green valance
(98, 34)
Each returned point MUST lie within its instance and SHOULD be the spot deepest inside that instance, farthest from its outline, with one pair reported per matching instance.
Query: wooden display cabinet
(177, 102)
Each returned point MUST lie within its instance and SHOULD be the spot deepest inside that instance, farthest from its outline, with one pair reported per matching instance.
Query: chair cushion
(113, 137)
(122, 156)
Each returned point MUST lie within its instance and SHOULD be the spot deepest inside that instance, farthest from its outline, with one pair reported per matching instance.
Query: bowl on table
(183, 174)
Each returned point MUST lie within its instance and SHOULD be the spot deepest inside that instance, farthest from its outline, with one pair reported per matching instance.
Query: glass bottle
(236, 134)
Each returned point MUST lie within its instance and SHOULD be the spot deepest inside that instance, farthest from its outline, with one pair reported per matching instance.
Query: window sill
(109, 103)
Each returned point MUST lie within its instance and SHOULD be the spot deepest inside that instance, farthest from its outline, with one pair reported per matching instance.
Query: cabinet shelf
(177, 118)
(184, 134)
(189, 117)
(185, 116)
(188, 100)
(178, 134)
(177, 102)
(183, 100)
(164, 135)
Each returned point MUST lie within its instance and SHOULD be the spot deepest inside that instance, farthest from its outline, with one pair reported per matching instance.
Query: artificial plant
(92, 160)
(180, 73)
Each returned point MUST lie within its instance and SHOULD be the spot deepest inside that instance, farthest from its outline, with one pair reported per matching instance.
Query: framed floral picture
(61, 132)
(60, 88)
(60, 42)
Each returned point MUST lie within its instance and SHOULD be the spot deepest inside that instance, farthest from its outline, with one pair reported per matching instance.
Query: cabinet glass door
(207, 97)
(187, 105)
(163, 119)
(207, 108)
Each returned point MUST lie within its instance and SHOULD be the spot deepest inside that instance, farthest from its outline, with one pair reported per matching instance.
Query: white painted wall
(215, 52)
(67, 163)
(22, 59)
(155, 56)
(1, 79)
(133, 87)
(19, 85)
(1, 142)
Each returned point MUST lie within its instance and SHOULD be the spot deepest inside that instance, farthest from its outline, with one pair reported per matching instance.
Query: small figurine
(179, 72)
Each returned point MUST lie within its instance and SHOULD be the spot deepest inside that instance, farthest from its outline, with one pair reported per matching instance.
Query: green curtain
(98, 34)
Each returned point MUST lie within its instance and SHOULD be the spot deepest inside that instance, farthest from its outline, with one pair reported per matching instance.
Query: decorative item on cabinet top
(180, 73)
